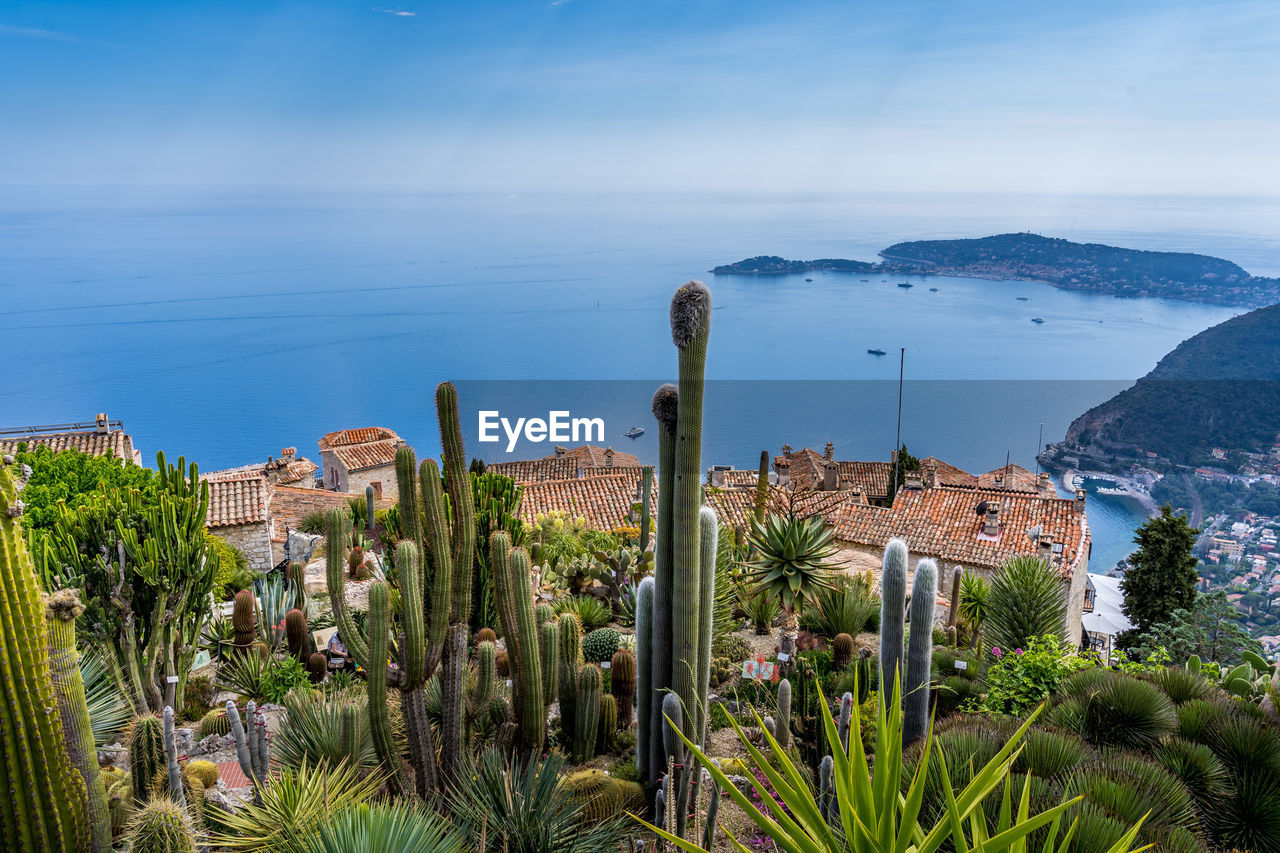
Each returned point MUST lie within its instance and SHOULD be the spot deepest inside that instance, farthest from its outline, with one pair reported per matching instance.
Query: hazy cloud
(398, 12)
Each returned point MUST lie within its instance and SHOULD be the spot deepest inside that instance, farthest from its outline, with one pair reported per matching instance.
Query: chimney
(715, 476)
(991, 521)
(288, 452)
(999, 481)
(930, 480)
(1046, 484)
(912, 480)
(1080, 494)
(830, 474)
(830, 452)
(783, 468)
(1044, 548)
(786, 451)
(582, 472)
(857, 496)
(560, 451)
(100, 423)
(608, 457)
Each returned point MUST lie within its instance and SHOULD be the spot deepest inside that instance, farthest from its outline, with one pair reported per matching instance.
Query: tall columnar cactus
(690, 331)
(622, 684)
(587, 722)
(762, 488)
(826, 791)
(893, 610)
(544, 613)
(644, 679)
(549, 658)
(783, 732)
(146, 756)
(608, 723)
(61, 610)
(511, 571)
(171, 759)
(846, 719)
(486, 677)
(349, 732)
(570, 661)
(161, 826)
(646, 494)
(297, 574)
(953, 612)
(674, 759)
(369, 518)
(665, 412)
(241, 738)
(708, 540)
(244, 621)
(295, 633)
(915, 689)
(713, 810)
(379, 726)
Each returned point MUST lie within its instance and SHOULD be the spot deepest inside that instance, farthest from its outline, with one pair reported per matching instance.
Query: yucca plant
(974, 594)
(1131, 787)
(761, 608)
(878, 811)
(791, 561)
(1025, 600)
(845, 608)
(591, 612)
(1129, 713)
(1195, 764)
(1181, 685)
(292, 806)
(109, 711)
(385, 828)
(521, 807)
(243, 674)
(314, 730)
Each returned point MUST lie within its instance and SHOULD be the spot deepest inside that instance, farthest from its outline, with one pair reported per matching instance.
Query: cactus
(486, 675)
(215, 722)
(146, 753)
(510, 572)
(295, 633)
(161, 826)
(893, 609)
(587, 720)
(770, 726)
(570, 661)
(608, 723)
(953, 612)
(846, 719)
(171, 760)
(205, 771)
(601, 796)
(762, 488)
(317, 667)
(544, 613)
(646, 494)
(826, 792)
(549, 658)
(622, 684)
(665, 412)
(841, 650)
(350, 734)
(485, 635)
(242, 742)
(600, 644)
(783, 733)
(708, 541)
(915, 688)
(61, 610)
(297, 574)
(643, 678)
(243, 621)
(368, 509)
(379, 632)
(674, 749)
(713, 810)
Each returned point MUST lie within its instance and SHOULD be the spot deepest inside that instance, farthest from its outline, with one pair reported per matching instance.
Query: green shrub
(1129, 713)
(1195, 764)
(600, 645)
(1179, 684)
(1126, 786)
(846, 608)
(1048, 753)
(284, 675)
(1199, 718)
(1020, 679)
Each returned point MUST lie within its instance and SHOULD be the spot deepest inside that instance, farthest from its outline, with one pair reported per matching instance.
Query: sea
(223, 324)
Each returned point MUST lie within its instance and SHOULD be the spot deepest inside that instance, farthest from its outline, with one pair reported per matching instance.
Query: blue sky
(1162, 97)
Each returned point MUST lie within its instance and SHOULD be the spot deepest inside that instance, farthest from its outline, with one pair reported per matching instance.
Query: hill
(1220, 388)
(1074, 266)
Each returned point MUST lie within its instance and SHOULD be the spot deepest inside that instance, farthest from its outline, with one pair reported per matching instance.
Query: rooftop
(107, 438)
(604, 502)
(237, 497)
(360, 435)
(374, 454)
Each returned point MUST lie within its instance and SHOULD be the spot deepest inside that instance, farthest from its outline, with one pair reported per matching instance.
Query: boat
(933, 290)
(863, 279)
(1022, 299)
(875, 352)
(808, 279)
(1037, 320)
(905, 284)
(634, 432)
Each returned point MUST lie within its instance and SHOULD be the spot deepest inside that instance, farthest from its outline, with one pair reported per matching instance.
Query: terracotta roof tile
(237, 497)
(948, 474)
(373, 454)
(808, 468)
(297, 469)
(115, 443)
(590, 456)
(604, 502)
(537, 470)
(1013, 476)
(361, 435)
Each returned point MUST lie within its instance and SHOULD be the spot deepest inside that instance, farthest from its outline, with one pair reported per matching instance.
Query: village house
(239, 513)
(569, 464)
(356, 458)
(102, 437)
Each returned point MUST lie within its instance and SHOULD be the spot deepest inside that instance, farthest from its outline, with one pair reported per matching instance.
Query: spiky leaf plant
(1195, 764)
(1129, 713)
(1181, 685)
(793, 559)
(591, 612)
(521, 807)
(1026, 600)
(385, 828)
(313, 730)
(1131, 787)
(109, 710)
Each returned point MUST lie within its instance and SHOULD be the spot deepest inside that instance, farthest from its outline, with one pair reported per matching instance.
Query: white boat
(634, 432)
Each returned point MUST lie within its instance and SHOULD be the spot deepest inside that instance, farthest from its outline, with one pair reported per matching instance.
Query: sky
(1160, 97)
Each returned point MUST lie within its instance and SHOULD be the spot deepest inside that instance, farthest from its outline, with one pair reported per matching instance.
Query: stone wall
(252, 539)
(382, 478)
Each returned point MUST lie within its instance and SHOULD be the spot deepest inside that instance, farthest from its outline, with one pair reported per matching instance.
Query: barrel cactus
(244, 621)
(841, 650)
(161, 826)
(600, 644)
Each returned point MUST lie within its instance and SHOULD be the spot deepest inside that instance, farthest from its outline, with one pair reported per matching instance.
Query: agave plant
(313, 730)
(1025, 600)
(292, 806)
(385, 828)
(873, 811)
(591, 612)
(792, 561)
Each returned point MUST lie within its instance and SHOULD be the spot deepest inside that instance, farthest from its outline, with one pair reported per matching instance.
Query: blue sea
(224, 324)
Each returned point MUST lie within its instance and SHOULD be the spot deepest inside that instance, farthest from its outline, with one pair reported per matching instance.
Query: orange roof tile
(808, 469)
(1013, 476)
(373, 454)
(948, 474)
(360, 435)
(237, 497)
(115, 443)
(537, 470)
(590, 456)
(604, 502)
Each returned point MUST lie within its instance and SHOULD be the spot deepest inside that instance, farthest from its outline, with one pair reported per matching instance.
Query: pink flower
(995, 650)
(1017, 651)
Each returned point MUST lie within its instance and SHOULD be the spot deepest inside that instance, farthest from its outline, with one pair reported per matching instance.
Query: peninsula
(1062, 263)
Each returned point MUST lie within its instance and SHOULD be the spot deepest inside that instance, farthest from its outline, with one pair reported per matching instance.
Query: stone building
(239, 513)
(356, 458)
(103, 437)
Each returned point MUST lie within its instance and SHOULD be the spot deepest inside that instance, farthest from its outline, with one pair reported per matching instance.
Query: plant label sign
(962, 664)
(757, 670)
(606, 664)
(783, 657)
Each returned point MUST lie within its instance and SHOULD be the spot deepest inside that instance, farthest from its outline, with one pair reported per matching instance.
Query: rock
(109, 755)
(217, 798)
(184, 739)
(211, 744)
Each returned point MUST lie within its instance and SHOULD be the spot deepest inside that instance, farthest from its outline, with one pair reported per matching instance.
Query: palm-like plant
(385, 828)
(521, 807)
(791, 561)
(1025, 600)
(974, 593)
(872, 811)
(845, 608)
(314, 730)
(109, 711)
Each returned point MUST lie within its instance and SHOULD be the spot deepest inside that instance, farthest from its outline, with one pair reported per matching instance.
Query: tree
(906, 462)
(1162, 574)
(1211, 629)
(73, 477)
